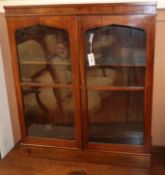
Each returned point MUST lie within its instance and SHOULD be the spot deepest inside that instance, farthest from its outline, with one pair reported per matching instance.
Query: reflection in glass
(119, 53)
(49, 74)
(116, 117)
(116, 76)
(49, 112)
(115, 56)
(43, 50)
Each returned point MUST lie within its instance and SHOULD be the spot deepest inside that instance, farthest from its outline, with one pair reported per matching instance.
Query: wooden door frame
(67, 23)
(147, 23)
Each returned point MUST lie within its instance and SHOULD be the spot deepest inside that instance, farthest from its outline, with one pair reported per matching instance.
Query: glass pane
(35, 73)
(43, 50)
(49, 112)
(116, 117)
(115, 56)
(115, 76)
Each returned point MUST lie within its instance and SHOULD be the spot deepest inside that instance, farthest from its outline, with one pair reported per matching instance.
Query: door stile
(81, 38)
(76, 80)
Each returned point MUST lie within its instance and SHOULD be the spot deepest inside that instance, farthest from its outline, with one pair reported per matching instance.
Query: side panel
(10, 129)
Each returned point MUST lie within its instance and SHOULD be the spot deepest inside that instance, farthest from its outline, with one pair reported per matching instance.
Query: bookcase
(83, 76)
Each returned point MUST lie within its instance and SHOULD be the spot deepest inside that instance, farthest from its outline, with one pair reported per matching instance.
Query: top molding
(83, 9)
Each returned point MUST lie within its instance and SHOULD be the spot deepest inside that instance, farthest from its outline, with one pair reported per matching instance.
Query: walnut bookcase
(83, 78)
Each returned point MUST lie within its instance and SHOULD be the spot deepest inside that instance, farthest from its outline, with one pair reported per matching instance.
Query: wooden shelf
(46, 63)
(115, 65)
(46, 85)
(112, 88)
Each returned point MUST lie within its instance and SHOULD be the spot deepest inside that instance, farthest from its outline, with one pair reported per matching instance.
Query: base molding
(112, 158)
(158, 149)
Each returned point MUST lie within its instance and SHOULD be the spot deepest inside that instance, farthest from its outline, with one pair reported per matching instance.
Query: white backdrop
(6, 136)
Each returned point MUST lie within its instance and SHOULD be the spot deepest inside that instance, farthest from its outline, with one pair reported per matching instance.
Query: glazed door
(116, 69)
(47, 81)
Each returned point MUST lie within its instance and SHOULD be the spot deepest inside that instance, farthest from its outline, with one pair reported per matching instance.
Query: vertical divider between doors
(84, 120)
(76, 81)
